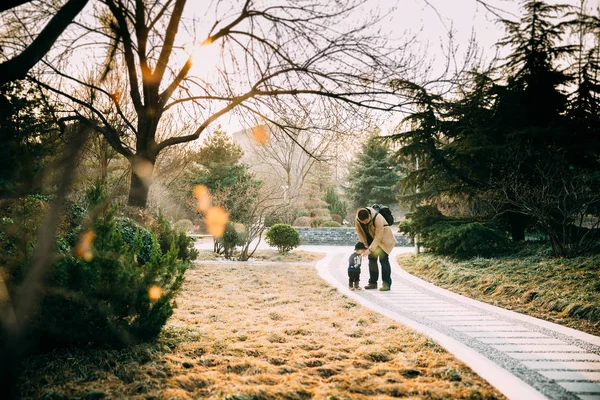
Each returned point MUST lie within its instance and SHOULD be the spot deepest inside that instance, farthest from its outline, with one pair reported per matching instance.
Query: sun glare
(205, 59)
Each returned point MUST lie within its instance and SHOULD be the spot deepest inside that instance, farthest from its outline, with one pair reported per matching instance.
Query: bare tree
(563, 202)
(274, 58)
(21, 63)
(287, 159)
(252, 206)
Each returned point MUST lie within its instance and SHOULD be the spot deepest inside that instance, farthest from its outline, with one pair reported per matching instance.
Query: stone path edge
(508, 384)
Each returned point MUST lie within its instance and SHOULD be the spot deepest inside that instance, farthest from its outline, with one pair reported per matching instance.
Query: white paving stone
(489, 322)
(528, 334)
(572, 375)
(461, 318)
(581, 387)
(575, 365)
(555, 356)
(538, 341)
(465, 313)
(538, 348)
(492, 328)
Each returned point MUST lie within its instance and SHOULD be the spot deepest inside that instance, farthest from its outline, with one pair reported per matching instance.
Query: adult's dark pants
(386, 269)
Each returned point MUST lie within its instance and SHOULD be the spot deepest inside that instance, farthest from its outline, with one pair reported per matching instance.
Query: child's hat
(359, 246)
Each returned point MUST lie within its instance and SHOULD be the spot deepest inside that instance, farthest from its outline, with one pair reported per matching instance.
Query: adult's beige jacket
(381, 233)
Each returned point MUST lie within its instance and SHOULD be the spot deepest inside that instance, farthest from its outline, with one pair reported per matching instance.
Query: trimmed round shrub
(331, 224)
(322, 213)
(302, 222)
(284, 237)
(183, 225)
(337, 218)
(319, 221)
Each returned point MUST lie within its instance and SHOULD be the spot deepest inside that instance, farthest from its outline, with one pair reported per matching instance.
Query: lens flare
(260, 134)
(202, 194)
(216, 221)
(83, 249)
(143, 169)
(155, 292)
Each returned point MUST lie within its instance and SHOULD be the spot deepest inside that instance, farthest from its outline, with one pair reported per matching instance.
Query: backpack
(385, 212)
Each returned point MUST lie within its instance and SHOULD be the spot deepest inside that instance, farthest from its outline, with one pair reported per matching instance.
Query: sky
(431, 20)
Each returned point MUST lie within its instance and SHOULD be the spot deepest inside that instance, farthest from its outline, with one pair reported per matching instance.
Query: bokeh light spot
(216, 221)
(260, 134)
(155, 292)
(202, 194)
(83, 249)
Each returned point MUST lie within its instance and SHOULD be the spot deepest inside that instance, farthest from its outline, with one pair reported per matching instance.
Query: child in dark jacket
(354, 263)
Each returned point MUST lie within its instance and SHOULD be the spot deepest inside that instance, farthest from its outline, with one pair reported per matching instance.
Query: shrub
(337, 218)
(303, 222)
(321, 212)
(284, 237)
(168, 237)
(112, 298)
(183, 225)
(233, 236)
(331, 224)
(302, 213)
(130, 231)
(317, 222)
(464, 240)
(452, 236)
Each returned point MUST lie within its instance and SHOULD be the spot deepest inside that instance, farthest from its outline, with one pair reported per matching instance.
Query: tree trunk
(142, 168)
(517, 227)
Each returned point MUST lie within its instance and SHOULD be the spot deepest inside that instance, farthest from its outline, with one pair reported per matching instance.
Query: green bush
(230, 239)
(464, 240)
(169, 237)
(452, 236)
(330, 224)
(130, 232)
(108, 300)
(284, 237)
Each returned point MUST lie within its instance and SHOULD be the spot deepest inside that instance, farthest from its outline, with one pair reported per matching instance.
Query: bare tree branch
(18, 66)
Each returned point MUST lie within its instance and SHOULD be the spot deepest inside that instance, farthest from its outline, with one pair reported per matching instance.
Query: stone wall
(337, 237)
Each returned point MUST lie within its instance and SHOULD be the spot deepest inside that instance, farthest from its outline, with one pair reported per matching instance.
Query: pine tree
(28, 136)
(533, 96)
(374, 176)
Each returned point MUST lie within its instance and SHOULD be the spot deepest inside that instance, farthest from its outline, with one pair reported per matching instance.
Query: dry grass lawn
(275, 331)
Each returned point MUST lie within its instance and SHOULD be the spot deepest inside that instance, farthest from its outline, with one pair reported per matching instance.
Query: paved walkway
(524, 357)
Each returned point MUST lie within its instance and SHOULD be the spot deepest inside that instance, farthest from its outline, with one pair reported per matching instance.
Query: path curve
(523, 357)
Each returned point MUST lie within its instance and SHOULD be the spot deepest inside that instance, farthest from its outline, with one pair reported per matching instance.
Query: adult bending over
(374, 232)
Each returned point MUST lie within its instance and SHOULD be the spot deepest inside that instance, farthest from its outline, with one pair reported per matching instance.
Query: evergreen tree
(224, 175)
(373, 176)
(28, 138)
(335, 204)
(219, 158)
(533, 96)
(514, 142)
